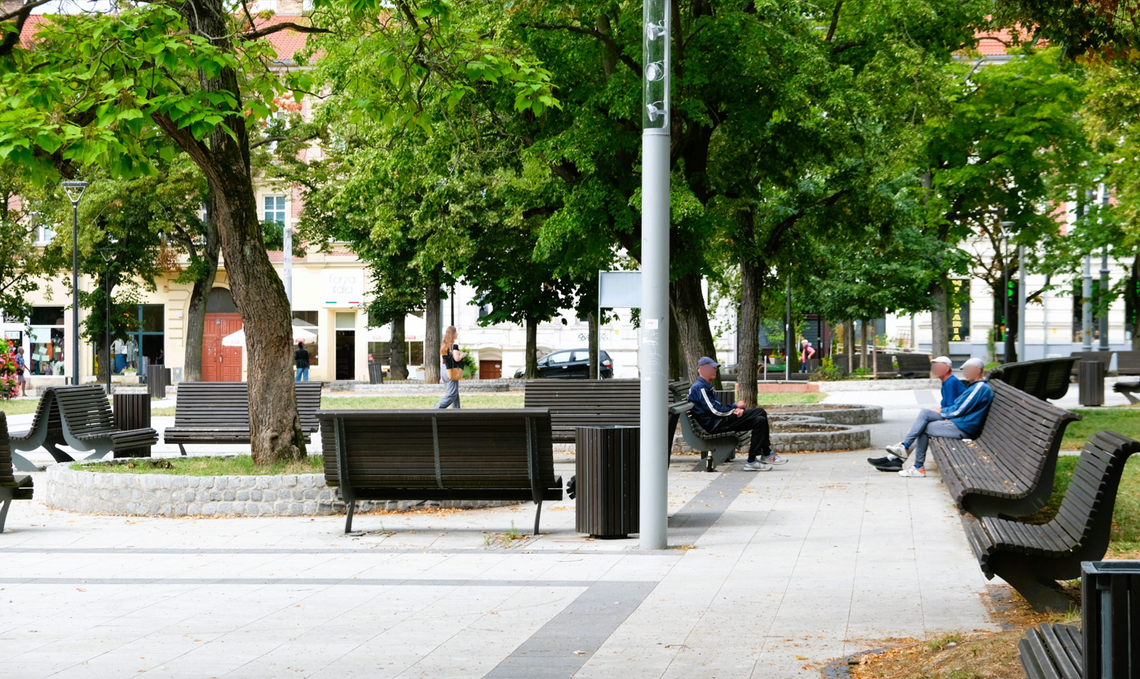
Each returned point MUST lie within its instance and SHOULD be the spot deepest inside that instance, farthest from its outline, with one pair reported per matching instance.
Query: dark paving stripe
(560, 647)
(323, 582)
(690, 523)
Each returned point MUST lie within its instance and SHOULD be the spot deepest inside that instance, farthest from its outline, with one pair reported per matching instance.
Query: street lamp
(75, 191)
(653, 345)
(1004, 254)
(108, 256)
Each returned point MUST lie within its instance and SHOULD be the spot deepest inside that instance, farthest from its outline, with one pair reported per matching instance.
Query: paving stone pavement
(775, 574)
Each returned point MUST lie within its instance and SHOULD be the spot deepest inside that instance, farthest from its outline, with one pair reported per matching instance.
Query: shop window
(307, 320)
(379, 352)
(46, 339)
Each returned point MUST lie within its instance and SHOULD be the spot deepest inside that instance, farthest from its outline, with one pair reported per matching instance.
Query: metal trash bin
(157, 380)
(1090, 383)
(1110, 603)
(607, 465)
(132, 411)
(375, 373)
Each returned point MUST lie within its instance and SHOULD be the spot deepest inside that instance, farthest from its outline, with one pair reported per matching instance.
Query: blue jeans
(302, 375)
(450, 394)
(120, 363)
(927, 424)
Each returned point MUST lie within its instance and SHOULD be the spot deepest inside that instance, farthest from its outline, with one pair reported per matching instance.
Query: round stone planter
(832, 413)
(791, 436)
(170, 495)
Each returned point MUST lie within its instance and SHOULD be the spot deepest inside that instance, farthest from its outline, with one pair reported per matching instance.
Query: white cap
(976, 362)
(942, 359)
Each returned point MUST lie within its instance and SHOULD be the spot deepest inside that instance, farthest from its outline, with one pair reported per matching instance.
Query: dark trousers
(754, 420)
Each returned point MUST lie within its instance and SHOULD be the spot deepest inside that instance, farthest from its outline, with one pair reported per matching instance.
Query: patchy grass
(418, 402)
(789, 399)
(21, 406)
(242, 465)
(1122, 420)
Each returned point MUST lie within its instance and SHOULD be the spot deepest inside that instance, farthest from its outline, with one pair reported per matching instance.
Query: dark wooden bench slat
(218, 412)
(12, 487)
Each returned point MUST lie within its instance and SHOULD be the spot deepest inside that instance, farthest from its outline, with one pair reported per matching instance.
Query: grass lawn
(789, 399)
(242, 465)
(1122, 420)
(19, 407)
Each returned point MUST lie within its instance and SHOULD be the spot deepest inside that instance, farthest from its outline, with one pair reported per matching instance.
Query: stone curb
(891, 384)
(169, 495)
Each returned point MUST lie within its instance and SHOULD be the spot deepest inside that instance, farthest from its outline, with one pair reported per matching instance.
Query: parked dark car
(569, 364)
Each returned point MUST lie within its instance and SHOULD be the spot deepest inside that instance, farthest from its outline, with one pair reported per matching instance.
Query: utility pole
(654, 335)
(1021, 303)
(1086, 307)
(1009, 349)
(1103, 320)
(788, 334)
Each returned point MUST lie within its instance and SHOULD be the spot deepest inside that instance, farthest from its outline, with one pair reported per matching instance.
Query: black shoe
(876, 461)
(891, 466)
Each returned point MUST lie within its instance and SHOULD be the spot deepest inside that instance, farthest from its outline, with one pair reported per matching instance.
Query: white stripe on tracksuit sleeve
(712, 408)
(964, 403)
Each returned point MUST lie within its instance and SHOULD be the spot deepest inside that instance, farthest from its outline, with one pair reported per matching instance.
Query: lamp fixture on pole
(75, 191)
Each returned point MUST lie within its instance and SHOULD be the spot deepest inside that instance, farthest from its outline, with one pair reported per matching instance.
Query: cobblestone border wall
(169, 495)
(834, 413)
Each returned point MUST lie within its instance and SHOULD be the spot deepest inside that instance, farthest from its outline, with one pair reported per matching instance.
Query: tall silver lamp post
(654, 335)
(75, 191)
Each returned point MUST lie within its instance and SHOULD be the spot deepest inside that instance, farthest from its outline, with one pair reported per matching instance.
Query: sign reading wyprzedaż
(342, 287)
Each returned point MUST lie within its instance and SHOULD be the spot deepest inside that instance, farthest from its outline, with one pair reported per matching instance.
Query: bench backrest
(917, 363)
(225, 405)
(1086, 509)
(1024, 431)
(84, 409)
(1104, 357)
(1044, 378)
(438, 449)
(7, 470)
(585, 403)
(1128, 362)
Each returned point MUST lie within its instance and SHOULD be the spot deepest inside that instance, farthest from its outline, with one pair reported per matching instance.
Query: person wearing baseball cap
(952, 388)
(717, 418)
(962, 420)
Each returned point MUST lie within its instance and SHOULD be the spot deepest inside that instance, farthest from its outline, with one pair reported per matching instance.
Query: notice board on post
(617, 290)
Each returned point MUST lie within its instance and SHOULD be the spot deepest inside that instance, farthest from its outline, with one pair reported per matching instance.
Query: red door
(219, 363)
(490, 370)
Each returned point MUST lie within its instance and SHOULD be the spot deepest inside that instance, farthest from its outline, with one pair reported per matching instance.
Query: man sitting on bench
(717, 418)
(962, 420)
(952, 388)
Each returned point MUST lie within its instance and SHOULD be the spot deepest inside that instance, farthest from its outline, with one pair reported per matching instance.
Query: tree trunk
(1133, 294)
(748, 332)
(939, 320)
(397, 356)
(849, 345)
(275, 428)
(199, 295)
(595, 359)
(531, 371)
(688, 305)
(864, 363)
(677, 368)
(874, 353)
(433, 334)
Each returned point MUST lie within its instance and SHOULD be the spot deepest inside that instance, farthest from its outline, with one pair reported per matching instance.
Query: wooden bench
(439, 455)
(12, 487)
(79, 417)
(1128, 363)
(1031, 558)
(1052, 651)
(1128, 388)
(1008, 470)
(218, 412)
(1047, 378)
(714, 448)
(913, 365)
(1104, 357)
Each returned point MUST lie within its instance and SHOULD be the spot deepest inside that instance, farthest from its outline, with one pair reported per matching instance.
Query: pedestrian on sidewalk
(717, 418)
(807, 352)
(452, 361)
(962, 420)
(301, 360)
(21, 368)
(952, 387)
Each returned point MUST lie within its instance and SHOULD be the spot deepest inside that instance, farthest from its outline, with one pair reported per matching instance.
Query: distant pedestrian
(119, 348)
(807, 352)
(452, 362)
(21, 368)
(301, 360)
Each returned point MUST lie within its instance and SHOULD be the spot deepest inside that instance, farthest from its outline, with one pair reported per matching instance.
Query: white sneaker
(757, 466)
(914, 473)
(898, 450)
(773, 459)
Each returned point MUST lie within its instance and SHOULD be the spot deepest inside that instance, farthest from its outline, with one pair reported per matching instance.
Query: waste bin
(1090, 383)
(1110, 603)
(375, 373)
(157, 379)
(132, 411)
(607, 461)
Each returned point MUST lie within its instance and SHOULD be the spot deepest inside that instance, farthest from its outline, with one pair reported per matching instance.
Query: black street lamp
(75, 191)
(1010, 348)
(108, 256)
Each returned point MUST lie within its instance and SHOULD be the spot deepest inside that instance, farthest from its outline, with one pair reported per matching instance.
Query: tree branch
(270, 30)
(21, 16)
(834, 22)
(602, 37)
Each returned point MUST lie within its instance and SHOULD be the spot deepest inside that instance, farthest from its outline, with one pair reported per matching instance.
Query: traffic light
(1010, 291)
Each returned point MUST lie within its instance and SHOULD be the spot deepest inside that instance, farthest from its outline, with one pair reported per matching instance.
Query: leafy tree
(22, 208)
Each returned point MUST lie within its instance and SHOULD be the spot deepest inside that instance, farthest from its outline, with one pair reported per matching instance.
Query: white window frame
(282, 209)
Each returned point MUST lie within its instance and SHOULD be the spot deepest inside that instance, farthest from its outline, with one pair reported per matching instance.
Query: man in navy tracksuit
(962, 420)
(952, 388)
(715, 418)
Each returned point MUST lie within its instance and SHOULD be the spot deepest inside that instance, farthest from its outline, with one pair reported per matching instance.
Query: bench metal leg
(537, 517)
(59, 455)
(1043, 595)
(182, 449)
(23, 464)
(1131, 399)
(4, 512)
(351, 504)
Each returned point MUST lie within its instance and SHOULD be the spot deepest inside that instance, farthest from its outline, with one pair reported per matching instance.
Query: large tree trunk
(848, 344)
(748, 334)
(275, 428)
(677, 368)
(592, 342)
(199, 295)
(939, 320)
(397, 356)
(863, 357)
(432, 332)
(531, 371)
(688, 305)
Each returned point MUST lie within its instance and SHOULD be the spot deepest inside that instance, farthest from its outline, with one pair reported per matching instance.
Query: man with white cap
(716, 417)
(963, 419)
(952, 388)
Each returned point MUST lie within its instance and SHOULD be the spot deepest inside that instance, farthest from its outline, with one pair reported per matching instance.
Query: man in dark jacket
(301, 360)
(716, 418)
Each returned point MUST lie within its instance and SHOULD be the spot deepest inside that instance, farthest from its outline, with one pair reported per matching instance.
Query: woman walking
(452, 369)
